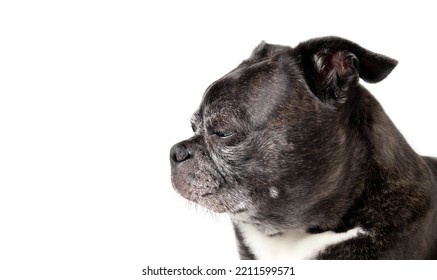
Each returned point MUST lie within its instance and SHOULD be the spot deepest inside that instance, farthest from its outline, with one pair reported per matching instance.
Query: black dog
(306, 162)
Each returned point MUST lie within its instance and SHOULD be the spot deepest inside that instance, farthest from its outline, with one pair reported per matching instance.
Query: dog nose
(179, 153)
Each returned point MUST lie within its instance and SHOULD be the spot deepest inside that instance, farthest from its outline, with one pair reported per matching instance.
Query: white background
(94, 93)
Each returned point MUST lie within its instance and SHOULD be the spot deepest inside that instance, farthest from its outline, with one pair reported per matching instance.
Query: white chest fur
(292, 245)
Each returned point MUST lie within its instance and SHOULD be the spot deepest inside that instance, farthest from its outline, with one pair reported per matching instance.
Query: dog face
(272, 138)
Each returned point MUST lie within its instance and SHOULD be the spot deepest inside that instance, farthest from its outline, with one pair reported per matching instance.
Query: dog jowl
(305, 160)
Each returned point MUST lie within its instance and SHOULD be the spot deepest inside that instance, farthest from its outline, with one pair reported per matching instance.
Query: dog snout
(179, 153)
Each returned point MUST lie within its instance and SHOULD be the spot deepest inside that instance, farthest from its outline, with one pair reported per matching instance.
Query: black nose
(179, 153)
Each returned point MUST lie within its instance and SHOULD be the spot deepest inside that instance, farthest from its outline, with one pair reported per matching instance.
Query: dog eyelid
(224, 134)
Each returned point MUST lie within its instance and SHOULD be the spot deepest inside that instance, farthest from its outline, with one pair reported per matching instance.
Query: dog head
(277, 139)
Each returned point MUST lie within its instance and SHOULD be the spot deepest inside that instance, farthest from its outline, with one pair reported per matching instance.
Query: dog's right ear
(331, 65)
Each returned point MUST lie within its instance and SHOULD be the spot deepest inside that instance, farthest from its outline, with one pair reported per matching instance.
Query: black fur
(297, 120)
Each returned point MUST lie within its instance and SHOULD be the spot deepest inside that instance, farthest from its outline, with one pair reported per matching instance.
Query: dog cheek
(263, 162)
(228, 160)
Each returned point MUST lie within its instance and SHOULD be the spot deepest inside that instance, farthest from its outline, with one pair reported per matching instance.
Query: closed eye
(224, 134)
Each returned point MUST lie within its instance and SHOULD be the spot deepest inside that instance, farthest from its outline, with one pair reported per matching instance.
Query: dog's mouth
(215, 201)
(210, 200)
(208, 191)
(192, 190)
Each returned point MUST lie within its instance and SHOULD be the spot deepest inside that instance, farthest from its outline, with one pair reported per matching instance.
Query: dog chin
(213, 197)
(208, 200)
(220, 204)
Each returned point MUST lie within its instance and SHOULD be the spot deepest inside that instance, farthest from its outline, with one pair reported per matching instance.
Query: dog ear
(332, 65)
(265, 50)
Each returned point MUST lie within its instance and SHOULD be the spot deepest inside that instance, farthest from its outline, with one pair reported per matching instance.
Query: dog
(306, 162)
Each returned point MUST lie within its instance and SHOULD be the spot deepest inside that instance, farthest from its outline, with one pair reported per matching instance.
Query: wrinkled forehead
(249, 90)
(224, 101)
